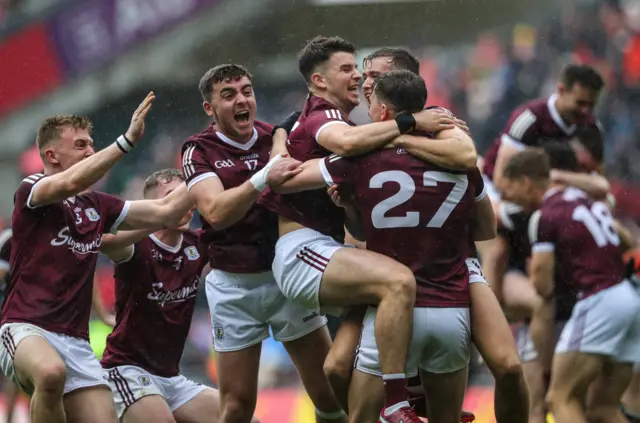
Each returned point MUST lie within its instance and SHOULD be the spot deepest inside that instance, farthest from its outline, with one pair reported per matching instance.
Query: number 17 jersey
(416, 213)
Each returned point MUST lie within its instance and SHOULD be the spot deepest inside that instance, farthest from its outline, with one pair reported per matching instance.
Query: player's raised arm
(280, 133)
(87, 172)
(596, 185)
(166, 212)
(451, 149)
(346, 140)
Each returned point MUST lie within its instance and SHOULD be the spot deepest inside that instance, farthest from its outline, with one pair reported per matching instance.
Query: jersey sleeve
(113, 210)
(5, 249)
(195, 166)
(22, 198)
(521, 130)
(337, 170)
(321, 119)
(477, 183)
(542, 232)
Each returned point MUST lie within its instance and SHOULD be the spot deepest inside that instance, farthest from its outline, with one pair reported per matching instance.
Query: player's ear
(50, 156)
(207, 108)
(385, 113)
(318, 80)
(561, 88)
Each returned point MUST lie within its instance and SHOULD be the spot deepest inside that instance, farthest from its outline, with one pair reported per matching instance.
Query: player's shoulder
(317, 105)
(264, 129)
(206, 136)
(529, 112)
(30, 180)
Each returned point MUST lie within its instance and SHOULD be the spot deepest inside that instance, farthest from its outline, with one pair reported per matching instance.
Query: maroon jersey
(528, 125)
(581, 233)
(5, 249)
(53, 258)
(248, 245)
(416, 213)
(155, 297)
(313, 209)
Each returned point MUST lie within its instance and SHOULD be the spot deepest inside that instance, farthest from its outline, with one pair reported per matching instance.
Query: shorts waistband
(241, 278)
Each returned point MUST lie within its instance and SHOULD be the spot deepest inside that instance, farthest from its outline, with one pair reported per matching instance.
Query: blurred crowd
(481, 82)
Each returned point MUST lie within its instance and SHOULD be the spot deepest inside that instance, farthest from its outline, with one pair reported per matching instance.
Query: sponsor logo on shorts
(309, 317)
(218, 332)
(144, 380)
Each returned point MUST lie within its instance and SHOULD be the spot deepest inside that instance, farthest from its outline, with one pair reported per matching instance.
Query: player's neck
(344, 106)
(170, 237)
(233, 137)
(561, 112)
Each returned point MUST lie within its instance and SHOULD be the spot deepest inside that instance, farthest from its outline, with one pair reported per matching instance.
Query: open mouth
(242, 117)
(353, 89)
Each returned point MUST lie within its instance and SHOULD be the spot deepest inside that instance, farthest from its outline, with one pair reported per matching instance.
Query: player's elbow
(469, 158)
(601, 188)
(216, 219)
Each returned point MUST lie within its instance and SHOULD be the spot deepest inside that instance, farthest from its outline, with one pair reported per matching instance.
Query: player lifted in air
(227, 167)
(57, 231)
(575, 246)
(311, 265)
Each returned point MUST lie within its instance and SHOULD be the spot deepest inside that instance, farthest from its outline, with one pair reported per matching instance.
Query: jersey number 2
(598, 222)
(411, 219)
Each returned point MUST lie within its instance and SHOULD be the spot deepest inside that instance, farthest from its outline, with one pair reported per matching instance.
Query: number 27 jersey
(416, 213)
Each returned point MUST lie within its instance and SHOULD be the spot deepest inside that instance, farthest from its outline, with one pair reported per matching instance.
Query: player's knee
(508, 366)
(50, 378)
(552, 400)
(402, 286)
(237, 410)
(337, 368)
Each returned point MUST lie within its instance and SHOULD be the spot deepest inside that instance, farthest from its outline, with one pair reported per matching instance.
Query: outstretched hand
(283, 169)
(136, 128)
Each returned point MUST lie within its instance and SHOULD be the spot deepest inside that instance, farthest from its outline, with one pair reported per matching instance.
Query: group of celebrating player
(277, 204)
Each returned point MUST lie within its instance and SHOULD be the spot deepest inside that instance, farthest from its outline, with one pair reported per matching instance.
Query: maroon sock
(395, 390)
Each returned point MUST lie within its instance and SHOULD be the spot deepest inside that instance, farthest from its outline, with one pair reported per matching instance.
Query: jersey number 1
(411, 219)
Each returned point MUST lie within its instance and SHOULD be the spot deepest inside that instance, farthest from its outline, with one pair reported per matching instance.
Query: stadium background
(480, 58)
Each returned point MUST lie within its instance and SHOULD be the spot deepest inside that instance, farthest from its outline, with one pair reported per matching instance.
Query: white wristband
(124, 144)
(259, 180)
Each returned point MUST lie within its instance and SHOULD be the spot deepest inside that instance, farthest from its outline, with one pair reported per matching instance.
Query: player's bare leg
(493, 338)
(11, 392)
(631, 397)
(519, 295)
(494, 256)
(603, 400)
(203, 408)
(152, 408)
(94, 404)
(308, 355)
(366, 397)
(571, 375)
(339, 364)
(446, 394)
(356, 276)
(238, 383)
(534, 375)
(39, 368)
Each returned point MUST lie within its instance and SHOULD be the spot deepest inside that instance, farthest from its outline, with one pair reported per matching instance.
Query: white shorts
(244, 305)
(131, 383)
(475, 271)
(299, 263)
(607, 323)
(82, 366)
(492, 192)
(441, 342)
(524, 342)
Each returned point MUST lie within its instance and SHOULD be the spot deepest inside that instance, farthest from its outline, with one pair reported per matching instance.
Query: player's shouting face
(229, 99)
(341, 77)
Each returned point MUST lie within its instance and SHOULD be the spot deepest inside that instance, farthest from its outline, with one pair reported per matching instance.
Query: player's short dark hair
(561, 156)
(532, 163)
(318, 51)
(163, 176)
(398, 57)
(227, 72)
(590, 137)
(51, 127)
(583, 75)
(401, 90)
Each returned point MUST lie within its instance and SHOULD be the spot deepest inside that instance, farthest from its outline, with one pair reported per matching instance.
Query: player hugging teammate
(412, 298)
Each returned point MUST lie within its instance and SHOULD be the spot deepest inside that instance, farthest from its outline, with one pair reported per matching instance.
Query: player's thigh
(366, 397)
(571, 375)
(519, 294)
(93, 404)
(342, 356)
(445, 392)
(238, 377)
(442, 339)
(204, 407)
(490, 331)
(151, 408)
(356, 276)
(129, 385)
(236, 306)
(31, 360)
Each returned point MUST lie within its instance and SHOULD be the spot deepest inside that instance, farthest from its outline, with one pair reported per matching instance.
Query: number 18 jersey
(416, 213)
